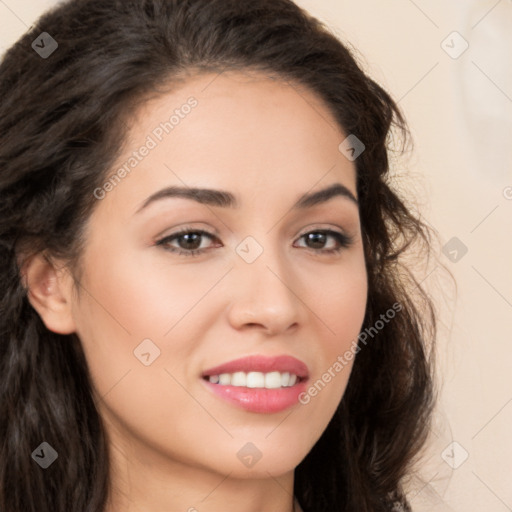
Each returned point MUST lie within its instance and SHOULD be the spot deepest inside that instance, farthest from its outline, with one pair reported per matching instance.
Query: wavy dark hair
(62, 125)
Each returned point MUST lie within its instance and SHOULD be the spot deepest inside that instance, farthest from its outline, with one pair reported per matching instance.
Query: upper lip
(260, 363)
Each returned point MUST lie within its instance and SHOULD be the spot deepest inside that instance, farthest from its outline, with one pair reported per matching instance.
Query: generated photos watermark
(152, 140)
(343, 360)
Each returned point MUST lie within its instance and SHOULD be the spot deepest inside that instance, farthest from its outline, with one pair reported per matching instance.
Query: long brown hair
(61, 123)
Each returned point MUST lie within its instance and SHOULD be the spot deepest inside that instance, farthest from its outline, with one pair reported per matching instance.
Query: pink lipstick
(258, 383)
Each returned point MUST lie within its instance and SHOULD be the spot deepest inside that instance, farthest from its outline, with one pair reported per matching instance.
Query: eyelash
(343, 240)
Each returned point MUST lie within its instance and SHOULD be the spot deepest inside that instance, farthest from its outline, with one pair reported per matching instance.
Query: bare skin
(174, 443)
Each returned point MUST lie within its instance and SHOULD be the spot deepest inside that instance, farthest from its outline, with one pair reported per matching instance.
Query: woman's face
(154, 317)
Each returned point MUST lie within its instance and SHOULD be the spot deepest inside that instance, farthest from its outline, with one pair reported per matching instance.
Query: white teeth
(271, 380)
(255, 380)
(225, 379)
(238, 379)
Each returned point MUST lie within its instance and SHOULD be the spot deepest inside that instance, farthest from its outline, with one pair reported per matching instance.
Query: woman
(199, 247)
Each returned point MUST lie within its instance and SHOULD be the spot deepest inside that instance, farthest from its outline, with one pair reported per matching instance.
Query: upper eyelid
(214, 236)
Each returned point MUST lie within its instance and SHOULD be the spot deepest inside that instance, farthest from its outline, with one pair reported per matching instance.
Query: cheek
(144, 296)
(130, 297)
(337, 296)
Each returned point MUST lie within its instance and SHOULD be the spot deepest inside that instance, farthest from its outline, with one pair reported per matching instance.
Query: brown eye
(316, 240)
(188, 242)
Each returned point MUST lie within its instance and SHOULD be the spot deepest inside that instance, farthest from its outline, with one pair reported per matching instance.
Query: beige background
(459, 108)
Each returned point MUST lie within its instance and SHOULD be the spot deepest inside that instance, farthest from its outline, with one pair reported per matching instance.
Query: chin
(262, 469)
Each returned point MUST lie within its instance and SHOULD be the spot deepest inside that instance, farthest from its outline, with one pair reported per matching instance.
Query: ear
(49, 291)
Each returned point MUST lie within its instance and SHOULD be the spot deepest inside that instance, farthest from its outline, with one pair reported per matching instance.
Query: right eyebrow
(225, 199)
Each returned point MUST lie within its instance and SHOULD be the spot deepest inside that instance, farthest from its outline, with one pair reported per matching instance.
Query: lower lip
(260, 400)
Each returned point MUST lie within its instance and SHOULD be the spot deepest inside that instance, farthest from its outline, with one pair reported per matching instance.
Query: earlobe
(49, 292)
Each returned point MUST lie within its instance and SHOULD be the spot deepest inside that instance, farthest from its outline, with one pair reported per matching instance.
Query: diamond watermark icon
(249, 455)
(44, 45)
(454, 455)
(44, 455)
(454, 249)
(249, 249)
(146, 352)
(454, 45)
(351, 147)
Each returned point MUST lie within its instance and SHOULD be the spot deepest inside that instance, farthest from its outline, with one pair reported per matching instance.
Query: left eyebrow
(224, 199)
(321, 196)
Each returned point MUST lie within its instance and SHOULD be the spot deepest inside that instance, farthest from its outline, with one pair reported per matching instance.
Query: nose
(266, 296)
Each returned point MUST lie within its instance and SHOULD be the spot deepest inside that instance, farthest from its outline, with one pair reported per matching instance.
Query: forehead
(245, 132)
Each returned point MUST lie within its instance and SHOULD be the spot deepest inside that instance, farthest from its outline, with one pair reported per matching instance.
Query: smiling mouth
(256, 380)
(257, 392)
